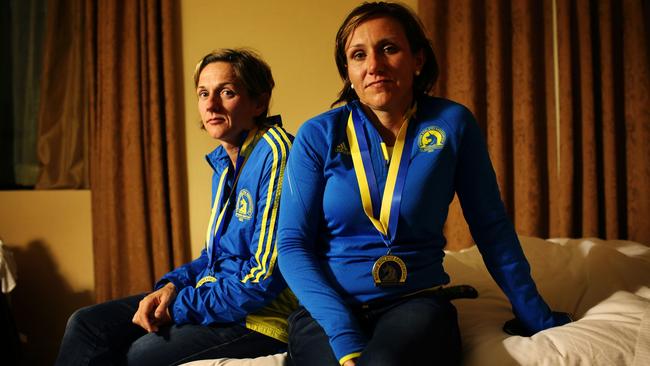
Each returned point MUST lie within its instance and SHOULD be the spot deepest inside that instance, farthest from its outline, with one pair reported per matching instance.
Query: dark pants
(104, 335)
(420, 330)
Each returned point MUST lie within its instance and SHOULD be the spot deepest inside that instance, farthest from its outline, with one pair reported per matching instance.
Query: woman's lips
(378, 83)
(215, 120)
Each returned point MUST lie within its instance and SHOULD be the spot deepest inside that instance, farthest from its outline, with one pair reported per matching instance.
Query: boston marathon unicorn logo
(431, 138)
(244, 210)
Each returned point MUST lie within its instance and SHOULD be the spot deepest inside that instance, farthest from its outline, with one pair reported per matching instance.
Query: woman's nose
(374, 62)
(213, 103)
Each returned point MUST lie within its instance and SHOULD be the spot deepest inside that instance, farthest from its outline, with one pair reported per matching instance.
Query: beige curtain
(26, 24)
(138, 173)
(561, 91)
(62, 145)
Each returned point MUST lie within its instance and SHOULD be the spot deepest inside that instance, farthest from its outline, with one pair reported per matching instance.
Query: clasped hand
(153, 310)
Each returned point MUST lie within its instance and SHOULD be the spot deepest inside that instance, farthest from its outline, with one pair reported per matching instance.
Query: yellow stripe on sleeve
(261, 266)
(267, 208)
(271, 247)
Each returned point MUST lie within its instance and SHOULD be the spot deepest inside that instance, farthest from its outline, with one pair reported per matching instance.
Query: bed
(604, 284)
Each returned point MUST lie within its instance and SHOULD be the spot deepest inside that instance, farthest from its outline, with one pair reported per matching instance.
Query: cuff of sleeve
(177, 310)
(349, 357)
(166, 279)
(160, 284)
(561, 318)
(347, 346)
(537, 315)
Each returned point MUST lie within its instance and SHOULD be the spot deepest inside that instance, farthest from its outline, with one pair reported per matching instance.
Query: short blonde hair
(249, 68)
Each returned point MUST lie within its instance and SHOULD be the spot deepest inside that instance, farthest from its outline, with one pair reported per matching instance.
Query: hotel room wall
(50, 236)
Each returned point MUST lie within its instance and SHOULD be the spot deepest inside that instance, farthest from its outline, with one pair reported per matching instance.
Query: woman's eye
(390, 49)
(203, 94)
(228, 93)
(359, 55)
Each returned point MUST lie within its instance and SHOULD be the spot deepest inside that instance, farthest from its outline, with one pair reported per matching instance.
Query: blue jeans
(104, 335)
(420, 330)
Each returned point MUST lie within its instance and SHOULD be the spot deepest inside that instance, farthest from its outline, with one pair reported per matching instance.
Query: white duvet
(605, 285)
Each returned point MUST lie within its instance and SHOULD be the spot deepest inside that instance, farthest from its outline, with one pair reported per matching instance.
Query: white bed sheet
(605, 285)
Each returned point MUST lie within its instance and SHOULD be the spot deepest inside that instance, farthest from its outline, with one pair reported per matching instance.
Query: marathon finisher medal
(389, 270)
(383, 211)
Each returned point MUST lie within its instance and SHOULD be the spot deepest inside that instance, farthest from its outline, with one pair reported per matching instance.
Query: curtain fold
(62, 134)
(560, 89)
(138, 172)
(22, 32)
(636, 105)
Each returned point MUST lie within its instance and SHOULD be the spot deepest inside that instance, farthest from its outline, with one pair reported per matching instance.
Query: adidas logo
(342, 148)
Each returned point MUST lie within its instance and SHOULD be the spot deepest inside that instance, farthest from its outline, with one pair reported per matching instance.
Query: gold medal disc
(389, 270)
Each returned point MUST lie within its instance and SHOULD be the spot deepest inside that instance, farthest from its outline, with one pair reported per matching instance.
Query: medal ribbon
(215, 227)
(386, 224)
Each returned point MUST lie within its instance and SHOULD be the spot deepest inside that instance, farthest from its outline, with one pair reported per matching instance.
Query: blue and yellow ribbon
(215, 227)
(383, 214)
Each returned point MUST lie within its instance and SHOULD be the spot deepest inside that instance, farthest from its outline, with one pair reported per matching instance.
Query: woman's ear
(262, 103)
(419, 60)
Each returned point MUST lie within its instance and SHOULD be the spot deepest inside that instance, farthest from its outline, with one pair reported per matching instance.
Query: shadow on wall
(42, 302)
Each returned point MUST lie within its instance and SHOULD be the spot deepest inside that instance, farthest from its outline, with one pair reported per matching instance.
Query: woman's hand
(153, 310)
(351, 362)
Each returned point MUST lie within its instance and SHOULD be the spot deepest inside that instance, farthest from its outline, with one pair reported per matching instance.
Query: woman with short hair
(231, 301)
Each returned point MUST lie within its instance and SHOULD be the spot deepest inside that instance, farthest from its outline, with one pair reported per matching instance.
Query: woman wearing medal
(361, 225)
(231, 301)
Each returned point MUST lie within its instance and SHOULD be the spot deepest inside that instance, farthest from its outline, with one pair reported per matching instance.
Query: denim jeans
(419, 330)
(104, 335)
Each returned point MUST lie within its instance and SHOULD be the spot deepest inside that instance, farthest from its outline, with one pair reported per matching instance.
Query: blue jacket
(238, 280)
(328, 245)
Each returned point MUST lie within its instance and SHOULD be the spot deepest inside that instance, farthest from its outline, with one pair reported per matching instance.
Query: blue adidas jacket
(249, 288)
(328, 245)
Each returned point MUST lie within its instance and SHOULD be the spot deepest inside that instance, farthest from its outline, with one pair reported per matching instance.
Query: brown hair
(415, 34)
(249, 68)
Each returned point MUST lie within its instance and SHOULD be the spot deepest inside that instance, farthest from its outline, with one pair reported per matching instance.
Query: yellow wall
(49, 233)
(296, 38)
